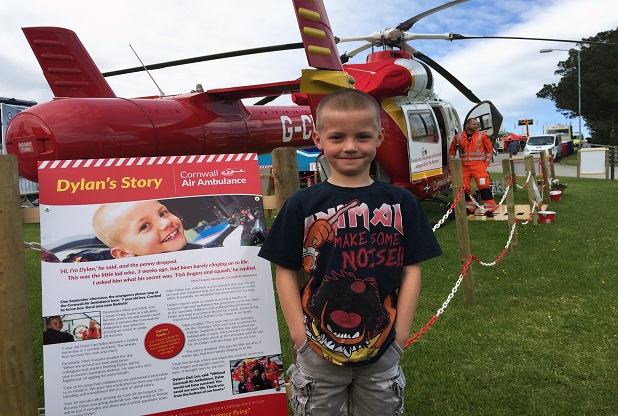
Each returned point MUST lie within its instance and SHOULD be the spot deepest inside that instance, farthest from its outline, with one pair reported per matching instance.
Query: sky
(507, 72)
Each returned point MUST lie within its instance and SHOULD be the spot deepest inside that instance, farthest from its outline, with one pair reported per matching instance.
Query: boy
(138, 228)
(54, 333)
(361, 241)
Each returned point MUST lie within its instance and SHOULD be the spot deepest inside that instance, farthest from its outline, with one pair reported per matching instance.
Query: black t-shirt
(51, 336)
(354, 243)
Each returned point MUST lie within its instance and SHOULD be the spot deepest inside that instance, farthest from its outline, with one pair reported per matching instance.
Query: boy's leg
(378, 388)
(319, 387)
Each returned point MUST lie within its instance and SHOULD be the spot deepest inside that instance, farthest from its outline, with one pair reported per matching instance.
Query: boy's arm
(289, 298)
(409, 292)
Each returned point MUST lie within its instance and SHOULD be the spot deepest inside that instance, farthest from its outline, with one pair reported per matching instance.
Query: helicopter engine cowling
(422, 81)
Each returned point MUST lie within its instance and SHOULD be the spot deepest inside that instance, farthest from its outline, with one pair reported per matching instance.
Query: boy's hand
(319, 232)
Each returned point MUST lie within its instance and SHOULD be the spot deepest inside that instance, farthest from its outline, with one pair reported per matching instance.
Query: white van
(536, 144)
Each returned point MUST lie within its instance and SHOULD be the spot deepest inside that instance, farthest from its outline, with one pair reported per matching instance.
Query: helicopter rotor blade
(266, 100)
(373, 37)
(447, 75)
(456, 36)
(350, 54)
(243, 52)
(405, 26)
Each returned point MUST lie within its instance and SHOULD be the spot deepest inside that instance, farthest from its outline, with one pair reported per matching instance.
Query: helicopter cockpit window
(484, 122)
(423, 127)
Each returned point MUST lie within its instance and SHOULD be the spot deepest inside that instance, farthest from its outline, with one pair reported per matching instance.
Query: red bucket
(555, 195)
(547, 217)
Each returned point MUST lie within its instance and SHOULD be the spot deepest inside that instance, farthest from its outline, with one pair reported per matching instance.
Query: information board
(154, 299)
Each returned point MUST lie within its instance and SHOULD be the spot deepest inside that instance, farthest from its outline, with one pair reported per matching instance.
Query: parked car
(544, 142)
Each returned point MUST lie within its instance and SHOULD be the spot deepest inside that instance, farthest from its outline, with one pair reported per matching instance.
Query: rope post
(551, 156)
(607, 163)
(509, 177)
(16, 364)
(512, 164)
(285, 172)
(545, 175)
(529, 163)
(461, 219)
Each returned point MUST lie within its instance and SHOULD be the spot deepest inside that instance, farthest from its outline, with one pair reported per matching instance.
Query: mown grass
(542, 338)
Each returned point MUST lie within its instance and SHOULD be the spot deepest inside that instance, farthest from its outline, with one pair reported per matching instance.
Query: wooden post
(512, 164)
(529, 163)
(545, 180)
(285, 172)
(461, 219)
(510, 199)
(16, 363)
(551, 167)
(607, 163)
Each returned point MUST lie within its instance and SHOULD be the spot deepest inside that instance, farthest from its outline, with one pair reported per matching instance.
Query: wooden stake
(285, 172)
(552, 169)
(510, 199)
(16, 363)
(545, 175)
(529, 163)
(461, 219)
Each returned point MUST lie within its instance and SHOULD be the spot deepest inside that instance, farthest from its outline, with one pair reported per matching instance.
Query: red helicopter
(88, 121)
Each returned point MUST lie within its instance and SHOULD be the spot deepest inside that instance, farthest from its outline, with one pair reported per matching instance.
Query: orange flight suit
(475, 154)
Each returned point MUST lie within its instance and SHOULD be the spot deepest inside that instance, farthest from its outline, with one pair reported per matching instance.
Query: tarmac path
(559, 168)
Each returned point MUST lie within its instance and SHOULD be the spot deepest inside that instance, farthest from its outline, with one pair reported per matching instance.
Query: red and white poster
(154, 299)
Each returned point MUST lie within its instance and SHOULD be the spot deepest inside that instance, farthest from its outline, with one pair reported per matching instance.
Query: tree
(599, 87)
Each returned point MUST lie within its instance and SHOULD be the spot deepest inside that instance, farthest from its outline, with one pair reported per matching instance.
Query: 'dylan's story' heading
(78, 182)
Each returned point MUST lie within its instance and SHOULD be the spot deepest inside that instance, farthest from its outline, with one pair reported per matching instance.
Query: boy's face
(146, 227)
(349, 140)
(55, 323)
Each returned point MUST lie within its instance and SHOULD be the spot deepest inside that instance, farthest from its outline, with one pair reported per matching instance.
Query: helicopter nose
(30, 139)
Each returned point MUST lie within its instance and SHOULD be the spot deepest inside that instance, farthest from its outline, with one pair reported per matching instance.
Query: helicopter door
(490, 119)
(424, 142)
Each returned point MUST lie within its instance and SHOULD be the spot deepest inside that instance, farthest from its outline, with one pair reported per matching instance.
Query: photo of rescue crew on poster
(138, 228)
(82, 326)
(257, 373)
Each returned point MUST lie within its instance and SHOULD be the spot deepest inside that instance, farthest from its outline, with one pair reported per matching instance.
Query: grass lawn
(542, 338)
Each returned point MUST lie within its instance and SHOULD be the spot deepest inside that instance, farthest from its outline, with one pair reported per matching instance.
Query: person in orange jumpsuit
(272, 372)
(93, 331)
(475, 151)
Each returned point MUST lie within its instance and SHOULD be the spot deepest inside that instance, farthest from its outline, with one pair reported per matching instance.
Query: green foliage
(542, 338)
(33, 282)
(599, 87)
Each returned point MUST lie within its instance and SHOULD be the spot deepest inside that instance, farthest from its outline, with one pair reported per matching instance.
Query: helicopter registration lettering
(290, 128)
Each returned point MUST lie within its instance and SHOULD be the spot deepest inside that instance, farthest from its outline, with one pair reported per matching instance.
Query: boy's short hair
(102, 229)
(49, 318)
(347, 99)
